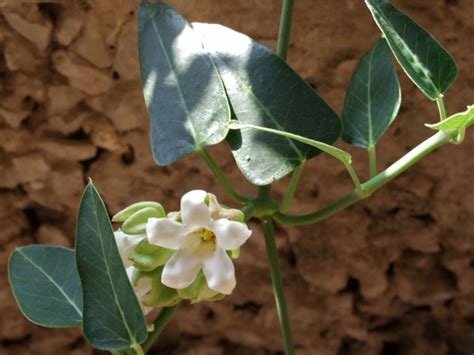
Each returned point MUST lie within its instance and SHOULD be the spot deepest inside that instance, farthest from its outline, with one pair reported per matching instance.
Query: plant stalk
(441, 107)
(277, 282)
(290, 192)
(371, 185)
(160, 324)
(372, 160)
(284, 34)
(219, 174)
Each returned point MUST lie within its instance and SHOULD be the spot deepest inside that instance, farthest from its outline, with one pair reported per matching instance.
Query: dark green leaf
(373, 98)
(421, 56)
(112, 315)
(265, 91)
(182, 88)
(46, 285)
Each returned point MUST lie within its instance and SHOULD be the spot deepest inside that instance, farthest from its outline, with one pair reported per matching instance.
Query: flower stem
(373, 184)
(160, 324)
(272, 252)
(218, 173)
(372, 160)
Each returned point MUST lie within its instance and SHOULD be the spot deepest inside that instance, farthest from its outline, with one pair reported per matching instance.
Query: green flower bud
(160, 295)
(130, 210)
(136, 223)
(148, 257)
(199, 291)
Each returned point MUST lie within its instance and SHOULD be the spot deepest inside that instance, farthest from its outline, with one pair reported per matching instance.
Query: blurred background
(392, 275)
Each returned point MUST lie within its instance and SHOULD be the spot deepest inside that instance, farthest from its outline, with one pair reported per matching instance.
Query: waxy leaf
(372, 99)
(264, 91)
(112, 318)
(46, 285)
(421, 56)
(183, 92)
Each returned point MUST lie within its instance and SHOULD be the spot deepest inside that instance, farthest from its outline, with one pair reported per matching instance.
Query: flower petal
(219, 272)
(194, 211)
(181, 270)
(230, 234)
(125, 244)
(165, 233)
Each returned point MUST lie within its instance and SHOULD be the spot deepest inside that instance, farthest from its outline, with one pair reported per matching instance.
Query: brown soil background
(392, 275)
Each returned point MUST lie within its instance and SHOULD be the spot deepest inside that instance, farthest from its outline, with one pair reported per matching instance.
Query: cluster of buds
(180, 255)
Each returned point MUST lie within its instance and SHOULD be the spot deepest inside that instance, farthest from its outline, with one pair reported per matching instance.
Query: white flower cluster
(197, 238)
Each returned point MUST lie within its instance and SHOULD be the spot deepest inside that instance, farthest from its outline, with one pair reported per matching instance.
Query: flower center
(206, 235)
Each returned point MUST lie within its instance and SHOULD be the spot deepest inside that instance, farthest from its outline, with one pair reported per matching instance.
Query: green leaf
(112, 315)
(136, 223)
(456, 121)
(265, 91)
(183, 92)
(122, 215)
(46, 285)
(421, 56)
(147, 257)
(372, 99)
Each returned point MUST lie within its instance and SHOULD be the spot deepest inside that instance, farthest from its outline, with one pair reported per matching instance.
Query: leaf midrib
(122, 314)
(70, 301)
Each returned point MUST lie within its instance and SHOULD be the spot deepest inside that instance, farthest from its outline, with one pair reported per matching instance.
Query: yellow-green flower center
(206, 235)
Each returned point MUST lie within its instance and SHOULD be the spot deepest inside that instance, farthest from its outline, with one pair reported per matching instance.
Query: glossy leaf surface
(46, 285)
(421, 56)
(112, 318)
(372, 99)
(264, 91)
(183, 92)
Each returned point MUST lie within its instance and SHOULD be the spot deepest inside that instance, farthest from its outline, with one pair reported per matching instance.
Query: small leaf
(147, 257)
(421, 56)
(122, 215)
(136, 223)
(456, 121)
(112, 318)
(373, 98)
(183, 92)
(46, 285)
(265, 91)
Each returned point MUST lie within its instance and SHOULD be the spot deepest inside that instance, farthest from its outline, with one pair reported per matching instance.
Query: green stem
(160, 324)
(441, 108)
(290, 192)
(373, 184)
(284, 33)
(138, 349)
(218, 173)
(372, 160)
(285, 28)
(272, 252)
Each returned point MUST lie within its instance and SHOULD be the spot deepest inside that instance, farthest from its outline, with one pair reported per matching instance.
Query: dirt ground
(392, 275)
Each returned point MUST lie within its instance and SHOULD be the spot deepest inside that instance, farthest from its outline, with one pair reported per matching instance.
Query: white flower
(142, 289)
(200, 242)
(125, 244)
